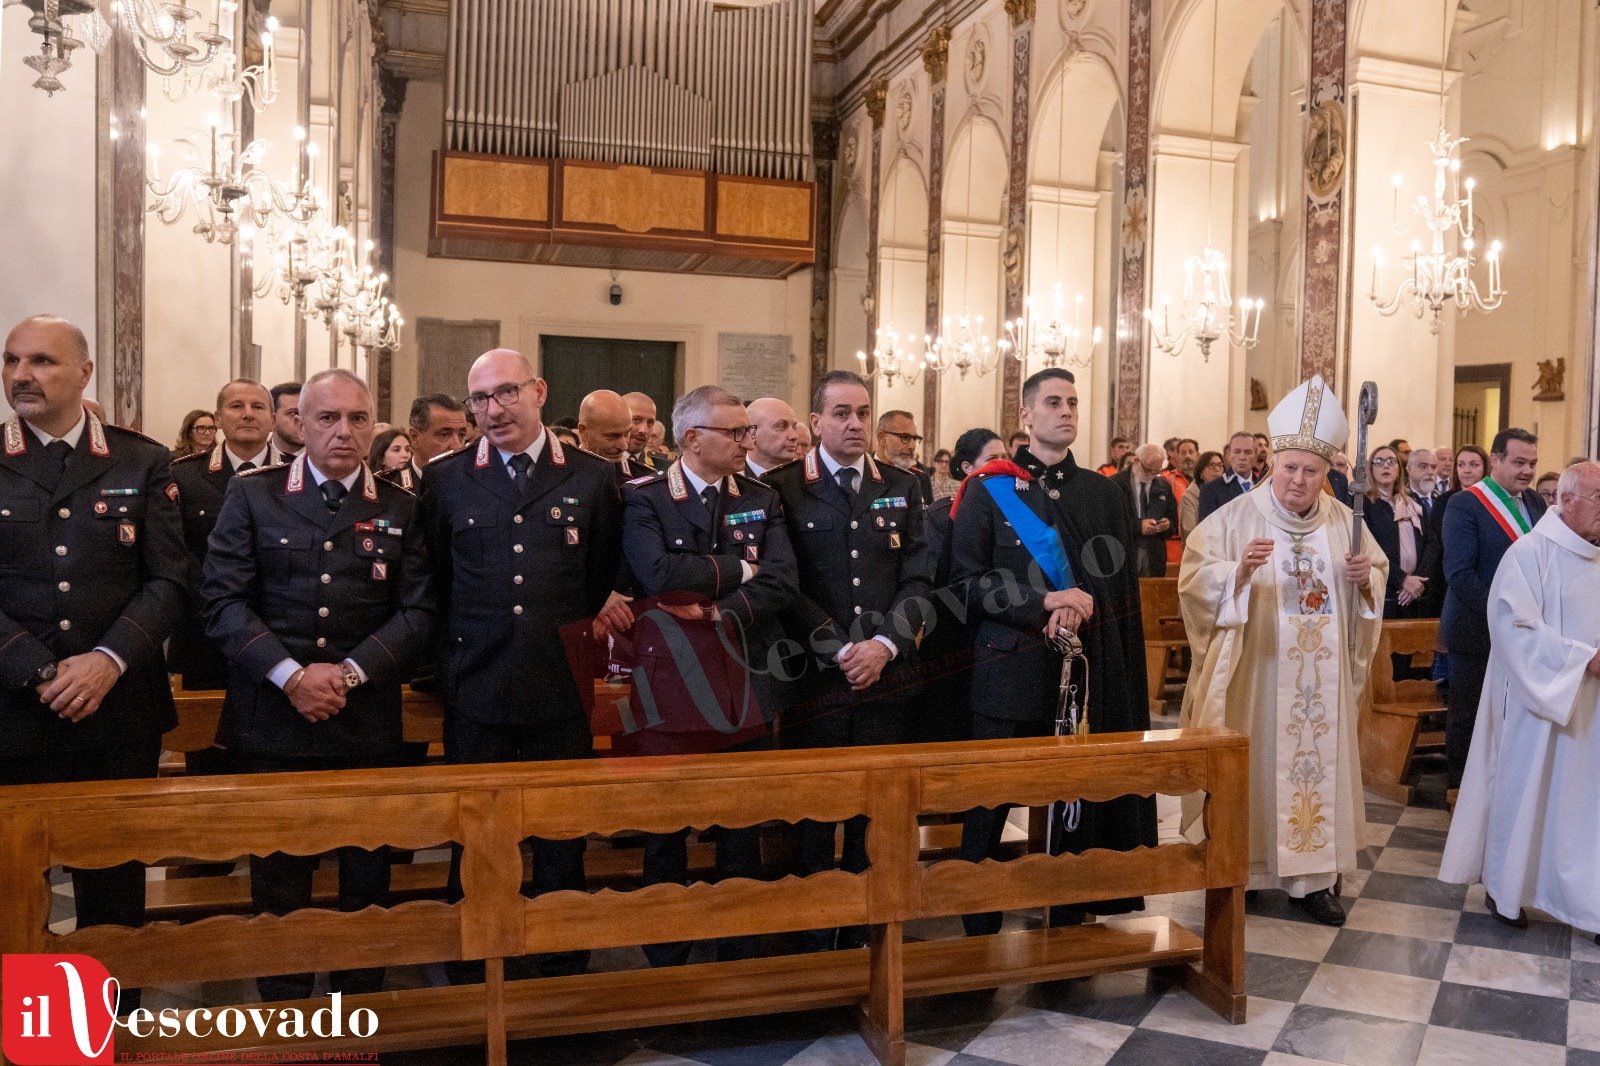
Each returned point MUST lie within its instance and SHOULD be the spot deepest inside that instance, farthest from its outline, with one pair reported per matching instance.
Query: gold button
(64, 513)
(322, 612)
(327, 545)
(322, 642)
(65, 586)
(517, 548)
(517, 609)
(327, 578)
(61, 549)
(65, 624)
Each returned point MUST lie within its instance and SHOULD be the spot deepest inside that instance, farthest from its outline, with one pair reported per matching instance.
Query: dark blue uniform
(288, 578)
(864, 570)
(514, 567)
(694, 690)
(202, 480)
(91, 555)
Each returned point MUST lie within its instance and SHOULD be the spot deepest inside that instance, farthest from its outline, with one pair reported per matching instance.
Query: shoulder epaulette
(191, 457)
(133, 433)
(262, 470)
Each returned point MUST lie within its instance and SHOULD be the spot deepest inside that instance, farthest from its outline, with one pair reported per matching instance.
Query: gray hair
(1573, 477)
(335, 374)
(694, 408)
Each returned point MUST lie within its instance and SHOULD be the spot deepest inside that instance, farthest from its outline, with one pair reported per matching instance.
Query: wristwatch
(352, 676)
(44, 675)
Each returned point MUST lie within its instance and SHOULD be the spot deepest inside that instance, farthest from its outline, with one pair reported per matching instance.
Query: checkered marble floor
(1420, 974)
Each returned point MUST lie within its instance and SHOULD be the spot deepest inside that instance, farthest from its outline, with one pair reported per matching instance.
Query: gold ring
(77, 699)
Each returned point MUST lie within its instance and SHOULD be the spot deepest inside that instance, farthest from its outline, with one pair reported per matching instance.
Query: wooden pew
(1164, 635)
(488, 809)
(1399, 717)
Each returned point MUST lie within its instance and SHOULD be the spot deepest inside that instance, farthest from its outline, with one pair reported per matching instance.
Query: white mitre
(1309, 419)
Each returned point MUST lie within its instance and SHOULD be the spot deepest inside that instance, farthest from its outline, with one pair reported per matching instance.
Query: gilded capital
(1021, 11)
(877, 99)
(936, 53)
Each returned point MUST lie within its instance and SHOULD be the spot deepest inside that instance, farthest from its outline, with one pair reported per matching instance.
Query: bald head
(643, 420)
(45, 372)
(1575, 499)
(506, 398)
(604, 422)
(776, 439)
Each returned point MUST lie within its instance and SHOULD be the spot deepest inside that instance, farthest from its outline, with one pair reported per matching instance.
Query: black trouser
(1461, 709)
(281, 883)
(839, 718)
(114, 895)
(557, 864)
(666, 861)
(981, 827)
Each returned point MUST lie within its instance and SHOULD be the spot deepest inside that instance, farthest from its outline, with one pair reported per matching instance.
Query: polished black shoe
(1322, 907)
(1519, 922)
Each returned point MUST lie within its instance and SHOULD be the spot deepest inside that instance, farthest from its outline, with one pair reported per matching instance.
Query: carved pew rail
(490, 809)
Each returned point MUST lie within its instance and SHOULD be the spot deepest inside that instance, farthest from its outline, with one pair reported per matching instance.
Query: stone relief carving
(1551, 374)
(905, 108)
(977, 62)
(1325, 149)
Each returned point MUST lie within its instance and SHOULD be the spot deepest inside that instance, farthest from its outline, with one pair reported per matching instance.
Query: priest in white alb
(1527, 822)
(1283, 620)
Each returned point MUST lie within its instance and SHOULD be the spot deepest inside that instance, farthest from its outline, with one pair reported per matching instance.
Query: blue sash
(1042, 541)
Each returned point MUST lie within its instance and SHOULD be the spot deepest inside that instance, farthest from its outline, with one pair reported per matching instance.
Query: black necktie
(1144, 500)
(708, 496)
(520, 464)
(58, 451)
(846, 477)
(242, 467)
(333, 493)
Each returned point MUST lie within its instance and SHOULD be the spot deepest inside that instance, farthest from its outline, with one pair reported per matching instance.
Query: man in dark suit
(244, 415)
(642, 414)
(711, 545)
(1236, 480)
(856, 528)
(898, 443)
(91, 584)
(1480, 523)
(774, 436)
(286, 436)
(524, 541)
(436, 425)
(316, 587)
(1016, 672)
(1153, 513)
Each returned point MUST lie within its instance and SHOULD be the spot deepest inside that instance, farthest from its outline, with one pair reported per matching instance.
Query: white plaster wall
(47, 184)
(529, 299)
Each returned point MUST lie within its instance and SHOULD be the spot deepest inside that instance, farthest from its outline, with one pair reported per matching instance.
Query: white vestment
(1527, 821)
(1284, 661)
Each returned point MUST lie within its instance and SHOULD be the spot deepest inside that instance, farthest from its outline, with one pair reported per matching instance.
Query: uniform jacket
(513, 567)
(201, 480)
(684, 554)
(1474, 544)
(95, 561)
(864, 567)
(287, 579)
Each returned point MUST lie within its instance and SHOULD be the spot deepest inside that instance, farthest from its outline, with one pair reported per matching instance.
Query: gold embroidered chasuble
(1284, 661)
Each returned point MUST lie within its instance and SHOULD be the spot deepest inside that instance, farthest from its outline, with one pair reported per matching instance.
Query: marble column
(1128, 343)
(392, 91)
(1326, 150)
(1014, 248)
(877, 101)
(120, 341)
(936, 58)
(824, 151)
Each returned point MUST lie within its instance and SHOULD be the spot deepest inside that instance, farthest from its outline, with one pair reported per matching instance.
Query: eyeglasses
(1387, 461)
(738, 433)
(505, 396)
(905, 438)
(204, 429)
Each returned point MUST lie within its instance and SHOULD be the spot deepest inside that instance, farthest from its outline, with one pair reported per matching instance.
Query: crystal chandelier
(370, 320)
(1051, 341)
(295, 261)
(962, 345)
(49, 21)
(1435, 277)
(161, 33)
(227, 78)
(891, 359)
(227, 187)
(1209, 311)
(1209, 314)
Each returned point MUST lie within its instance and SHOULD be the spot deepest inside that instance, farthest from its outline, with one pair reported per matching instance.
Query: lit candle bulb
(1377, 271)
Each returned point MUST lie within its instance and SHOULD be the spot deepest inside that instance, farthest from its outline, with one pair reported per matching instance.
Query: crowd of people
(769, 579)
